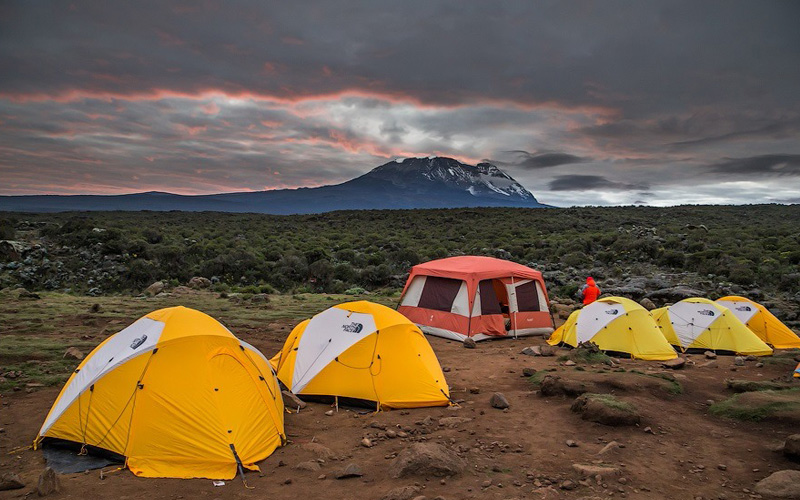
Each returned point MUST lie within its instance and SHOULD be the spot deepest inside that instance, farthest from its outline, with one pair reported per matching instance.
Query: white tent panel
(461, 302)
(690, 319)
(594, 317)
(326, 336)
(414, 292)
(135, 340)
(742, 310)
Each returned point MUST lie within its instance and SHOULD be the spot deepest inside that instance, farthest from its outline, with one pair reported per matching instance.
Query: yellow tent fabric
(762, 322)
(175, 393)
(699, 323)
(615, 324)
(364, 351)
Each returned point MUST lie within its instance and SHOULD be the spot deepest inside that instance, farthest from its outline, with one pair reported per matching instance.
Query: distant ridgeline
(432, 182)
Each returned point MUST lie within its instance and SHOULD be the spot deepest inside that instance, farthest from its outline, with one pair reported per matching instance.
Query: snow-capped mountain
(481, 180)
(433, 182)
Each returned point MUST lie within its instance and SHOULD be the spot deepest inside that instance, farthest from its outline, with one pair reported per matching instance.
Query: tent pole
(336, 400)
(516, 304)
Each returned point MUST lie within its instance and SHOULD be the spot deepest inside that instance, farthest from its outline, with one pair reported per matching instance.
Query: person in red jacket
(590, 291)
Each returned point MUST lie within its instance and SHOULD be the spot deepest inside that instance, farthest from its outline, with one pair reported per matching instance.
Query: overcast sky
(601, 102)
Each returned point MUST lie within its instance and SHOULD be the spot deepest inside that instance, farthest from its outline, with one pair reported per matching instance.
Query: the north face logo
(706, 312)
(744, 308)
(353, 327)
(612, 312)
(138, 341)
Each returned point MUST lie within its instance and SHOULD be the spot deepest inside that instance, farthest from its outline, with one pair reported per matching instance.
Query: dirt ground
(678, 451)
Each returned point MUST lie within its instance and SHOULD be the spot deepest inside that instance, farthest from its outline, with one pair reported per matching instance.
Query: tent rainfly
(615, 324)
(175, 394)
(701, 324)
(362, 351)
(762, 322)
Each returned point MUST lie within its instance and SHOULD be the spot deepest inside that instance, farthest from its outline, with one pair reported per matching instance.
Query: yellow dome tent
(699, 323)
(615, 324)
(762, 322)
(177, 395)
(363, 351)
(797, 371)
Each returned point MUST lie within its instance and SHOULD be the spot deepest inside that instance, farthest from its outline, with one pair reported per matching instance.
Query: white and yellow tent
(176, 395)
(363, 351)
(615, 324)
(698, 323)
(762, 322)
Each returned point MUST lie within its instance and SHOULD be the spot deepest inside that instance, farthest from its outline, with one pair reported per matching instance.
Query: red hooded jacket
(590, 292)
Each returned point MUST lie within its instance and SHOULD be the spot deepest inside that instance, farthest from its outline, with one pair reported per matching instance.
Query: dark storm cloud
(207, 96)
(578, 182)
(775, 164)
(546, 159)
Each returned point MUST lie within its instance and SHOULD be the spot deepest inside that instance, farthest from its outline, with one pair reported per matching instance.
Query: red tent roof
(475, 267)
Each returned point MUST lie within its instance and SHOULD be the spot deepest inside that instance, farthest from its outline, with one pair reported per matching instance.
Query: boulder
(10, 481)
(426, 459)
(605, 409)
(48, 483)
(791, 448)
(198, 282)
(553, 385)
(402, 493)
(674, 364)
(647, 304)
(290, 400)
(499, 401)
(73, 353)
(155, 288)
(469, 343)
(781, 484)
(350, 470)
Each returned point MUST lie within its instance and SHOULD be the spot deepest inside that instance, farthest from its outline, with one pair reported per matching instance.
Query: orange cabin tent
(478, 297)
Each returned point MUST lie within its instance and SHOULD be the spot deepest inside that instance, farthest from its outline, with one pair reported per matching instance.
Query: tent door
(513, 304)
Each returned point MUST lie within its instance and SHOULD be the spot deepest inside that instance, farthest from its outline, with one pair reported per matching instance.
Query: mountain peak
(483, 180)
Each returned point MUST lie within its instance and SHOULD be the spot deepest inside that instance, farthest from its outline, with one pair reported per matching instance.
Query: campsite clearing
(679, 450)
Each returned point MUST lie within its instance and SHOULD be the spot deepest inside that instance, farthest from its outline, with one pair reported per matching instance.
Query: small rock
(391, 434)
(759, 365)
(568, 485)
(569, 362)
(329, 413)
(199, 282)
(750, 357)
(351, 470)
(722, 467)
(527, 372)
(475, 390)
(426, 459)
(10, 481)
(738, 361)
(402, 493)
(571, 443)
(499, 401)
(48, 483)
(710, 355)
(155, 288)
(288, 480)
(531, 351)
(675, 364)
(366, 443)
(648, 430)
(611, 446)
(73, 353)
(310, 466)
(469, 343)
(791, 448)
(595, 470)
(647, 304)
